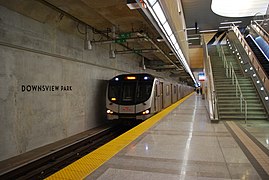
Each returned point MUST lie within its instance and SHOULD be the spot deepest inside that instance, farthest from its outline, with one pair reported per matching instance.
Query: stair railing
(260, 30)
(223, 58)
(210, 92)
(251, 71)
(230, 73)
(238, 91)
(211, 89)
(253, 60)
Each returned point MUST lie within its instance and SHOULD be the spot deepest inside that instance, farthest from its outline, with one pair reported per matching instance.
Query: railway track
(48, 164)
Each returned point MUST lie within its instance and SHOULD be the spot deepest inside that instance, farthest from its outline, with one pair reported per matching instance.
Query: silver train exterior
(139, 96)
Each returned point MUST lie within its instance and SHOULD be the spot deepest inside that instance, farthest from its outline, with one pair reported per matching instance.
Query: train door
(172, 93)
(155, 109)
(161, 96)
(167, 96)
(178, 91)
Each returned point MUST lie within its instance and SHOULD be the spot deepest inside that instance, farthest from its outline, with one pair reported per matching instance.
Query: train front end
(129, 96)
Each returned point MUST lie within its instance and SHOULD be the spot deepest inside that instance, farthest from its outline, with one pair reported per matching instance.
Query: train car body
(139, 96)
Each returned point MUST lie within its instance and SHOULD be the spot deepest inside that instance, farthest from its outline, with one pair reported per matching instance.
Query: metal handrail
(211, 92)
(252, 71)
(257, 27)
(230, 73)
(254, 61)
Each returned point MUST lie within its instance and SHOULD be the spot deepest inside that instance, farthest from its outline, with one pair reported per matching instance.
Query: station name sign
(43, 88)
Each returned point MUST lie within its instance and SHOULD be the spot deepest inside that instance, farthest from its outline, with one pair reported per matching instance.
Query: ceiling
(199, 11)
(103, 15)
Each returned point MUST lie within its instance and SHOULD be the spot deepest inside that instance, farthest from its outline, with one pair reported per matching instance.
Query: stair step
(229, 83)
(250, 113)
(232, 87)
(237, 108)
(242, 118)
(249, 102)
(230, 79)
(227, 102)
(234, 98)
(245, 91)
(238, 105)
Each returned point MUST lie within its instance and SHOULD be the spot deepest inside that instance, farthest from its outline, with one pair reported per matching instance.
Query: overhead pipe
(102, 33)
(140, 36)
(161, 51)
(137, 51)
(113, 41)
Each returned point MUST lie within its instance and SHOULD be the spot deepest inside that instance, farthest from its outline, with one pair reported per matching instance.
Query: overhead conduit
(111, 39)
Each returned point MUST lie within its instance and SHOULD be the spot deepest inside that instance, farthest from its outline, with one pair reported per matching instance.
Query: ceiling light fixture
(209, 30)
(225, 27)
(132, 4)
(160, 39)
(171, 53)
(231, 22)
(193, 28)
(239, 8)
(155, 10)
(193, 38)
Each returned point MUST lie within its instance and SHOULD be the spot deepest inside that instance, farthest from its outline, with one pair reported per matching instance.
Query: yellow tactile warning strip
(87, 164)
(258, 154)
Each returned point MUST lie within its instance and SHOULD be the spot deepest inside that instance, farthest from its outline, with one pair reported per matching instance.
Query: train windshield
(129, 92)
(143, 91)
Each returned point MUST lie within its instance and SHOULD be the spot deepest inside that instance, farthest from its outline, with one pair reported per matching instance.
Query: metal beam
(138, 51)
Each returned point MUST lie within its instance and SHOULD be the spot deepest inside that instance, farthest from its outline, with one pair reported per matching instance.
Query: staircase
(259, 55)
(228, 104)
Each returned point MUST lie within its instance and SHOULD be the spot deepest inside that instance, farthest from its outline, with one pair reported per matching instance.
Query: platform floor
(186, 145)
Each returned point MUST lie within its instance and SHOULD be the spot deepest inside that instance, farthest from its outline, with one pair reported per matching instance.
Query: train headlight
(109, 111)
(146, 112)
(113, 99)
(146, 78)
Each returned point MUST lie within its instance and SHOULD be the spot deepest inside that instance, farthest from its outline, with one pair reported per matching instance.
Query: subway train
(139, 96)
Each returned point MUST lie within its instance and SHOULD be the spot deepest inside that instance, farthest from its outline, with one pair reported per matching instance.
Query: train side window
(167, 90)
(158, 89)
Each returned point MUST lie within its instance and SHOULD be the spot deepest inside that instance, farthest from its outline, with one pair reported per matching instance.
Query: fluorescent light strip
(159, 12)
(165, 27)
(173, 39)
(209, 30)
(152, 2)
(177, 46)
(231, 22)
(226, 27)
(193, 28)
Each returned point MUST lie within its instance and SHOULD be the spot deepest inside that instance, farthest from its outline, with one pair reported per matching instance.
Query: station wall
(50, 87)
